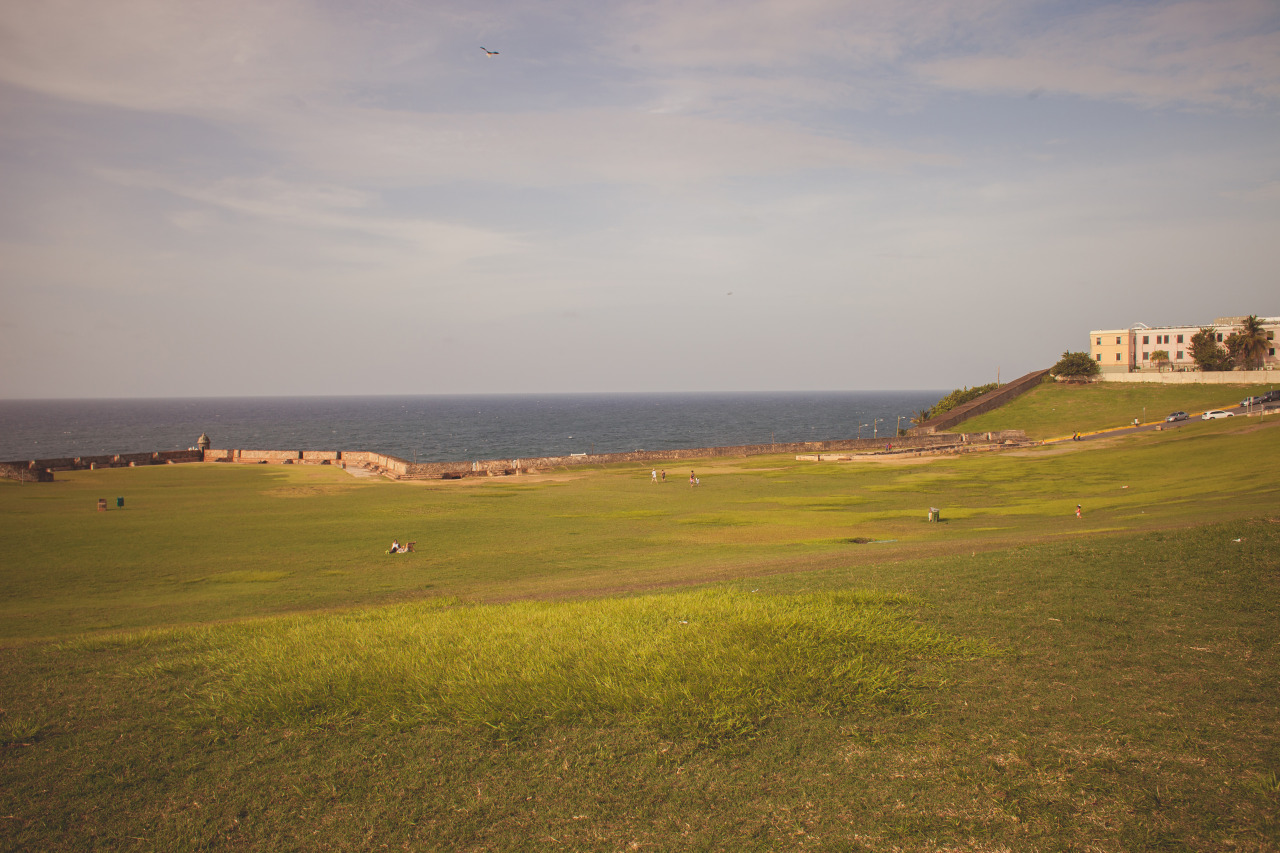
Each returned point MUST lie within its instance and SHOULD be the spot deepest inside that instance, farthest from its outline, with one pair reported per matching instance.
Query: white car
(1214, 414)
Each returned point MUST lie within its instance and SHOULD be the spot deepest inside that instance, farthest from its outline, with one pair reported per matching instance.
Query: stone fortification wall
(985, 403)
(42, 470)
(403, 470)
(253, 456)
(1198, 377)
(24, 473)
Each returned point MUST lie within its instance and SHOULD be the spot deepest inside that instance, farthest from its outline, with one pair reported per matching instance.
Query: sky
(286, 197)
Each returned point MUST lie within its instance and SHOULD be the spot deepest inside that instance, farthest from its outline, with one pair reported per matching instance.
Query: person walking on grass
(664, 475)
(1079, 511)
(692, 479)
(653, 476)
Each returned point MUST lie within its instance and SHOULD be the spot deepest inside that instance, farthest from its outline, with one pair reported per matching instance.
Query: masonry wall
(400, 469)
(42, 470)
(985, 403)
(1198, 377)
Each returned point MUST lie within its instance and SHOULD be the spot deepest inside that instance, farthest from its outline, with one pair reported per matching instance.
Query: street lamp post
(860, 426)
(875, 427)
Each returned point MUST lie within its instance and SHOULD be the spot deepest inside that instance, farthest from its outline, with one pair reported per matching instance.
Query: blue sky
(243, 198)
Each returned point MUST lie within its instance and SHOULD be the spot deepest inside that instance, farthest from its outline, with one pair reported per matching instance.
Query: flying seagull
(490, 52)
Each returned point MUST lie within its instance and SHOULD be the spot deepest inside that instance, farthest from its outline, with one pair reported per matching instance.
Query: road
(1270, 409)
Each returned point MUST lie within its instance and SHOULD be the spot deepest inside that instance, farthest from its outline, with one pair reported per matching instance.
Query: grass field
(785, 657)
(1054, 409)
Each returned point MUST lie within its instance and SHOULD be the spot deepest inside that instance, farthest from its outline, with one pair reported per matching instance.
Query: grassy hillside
(210, 542)
(542, 674)
(1054, 409)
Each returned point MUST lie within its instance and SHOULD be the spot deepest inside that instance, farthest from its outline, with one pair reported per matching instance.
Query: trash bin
(935, 514)
(102, 504)
(119, 503)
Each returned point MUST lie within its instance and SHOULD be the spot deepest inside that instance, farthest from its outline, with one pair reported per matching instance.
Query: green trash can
(119, 503)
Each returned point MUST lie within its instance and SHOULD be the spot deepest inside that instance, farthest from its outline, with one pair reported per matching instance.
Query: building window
(1144, 339)
(1179, 338)
(1219, 337)
(1099, 356)
(1144, 356)
(1099, 340)
(1179, 355)
(1271, 336)
(1271, 351)
(1117, 339)
(1117, 356)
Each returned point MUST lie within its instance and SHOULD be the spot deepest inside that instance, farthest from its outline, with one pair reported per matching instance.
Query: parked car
(1214, 414)
(1269, 397)
(1176, 416)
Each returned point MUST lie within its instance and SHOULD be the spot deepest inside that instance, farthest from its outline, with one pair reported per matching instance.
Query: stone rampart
(1198, 377)
(401, 469)
(45, 468)
(41, 470)
(25, 472)
(985, 403)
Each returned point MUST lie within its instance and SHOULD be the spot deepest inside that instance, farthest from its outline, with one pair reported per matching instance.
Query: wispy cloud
(837, 165)
(1222, 53)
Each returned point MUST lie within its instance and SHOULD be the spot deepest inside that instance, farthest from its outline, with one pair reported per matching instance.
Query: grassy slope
(1131, 706)
(1053, 409)
(200, 543)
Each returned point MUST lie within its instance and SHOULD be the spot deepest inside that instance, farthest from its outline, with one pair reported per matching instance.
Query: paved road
(1270, 408)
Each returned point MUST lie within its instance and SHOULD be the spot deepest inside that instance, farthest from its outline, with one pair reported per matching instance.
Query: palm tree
(1248, 345)
(1160, 358)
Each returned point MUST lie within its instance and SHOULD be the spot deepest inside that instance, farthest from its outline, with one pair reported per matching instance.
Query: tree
(1247, 345)
(1207, 353)
(1160, 358)
(921, 416)
(1075, 364)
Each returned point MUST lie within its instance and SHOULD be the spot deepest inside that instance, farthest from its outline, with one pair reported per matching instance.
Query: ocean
(451, 428)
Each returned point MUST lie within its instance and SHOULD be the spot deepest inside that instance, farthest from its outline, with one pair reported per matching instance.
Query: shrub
(959, 397)
(1075, 364)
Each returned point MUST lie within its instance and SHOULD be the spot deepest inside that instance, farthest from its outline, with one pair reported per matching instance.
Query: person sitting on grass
(395, 546)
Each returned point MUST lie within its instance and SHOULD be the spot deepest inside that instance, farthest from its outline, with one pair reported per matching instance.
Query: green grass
(699, 665)
(203, 543)
(1054, 409)
(597, 663)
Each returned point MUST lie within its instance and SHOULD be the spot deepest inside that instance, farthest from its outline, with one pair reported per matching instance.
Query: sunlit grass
(702, 665)
(1055, 409)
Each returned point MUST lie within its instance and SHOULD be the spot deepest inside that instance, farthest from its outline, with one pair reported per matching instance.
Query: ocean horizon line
(440, 427)
(477, 394)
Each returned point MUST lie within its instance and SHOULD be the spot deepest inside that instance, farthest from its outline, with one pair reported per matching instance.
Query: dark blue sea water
(454, 428)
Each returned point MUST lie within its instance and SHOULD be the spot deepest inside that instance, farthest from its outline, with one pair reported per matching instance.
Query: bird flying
(490, 52)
